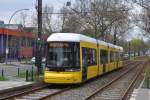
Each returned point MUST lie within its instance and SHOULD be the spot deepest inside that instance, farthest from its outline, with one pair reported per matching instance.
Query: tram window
(84, 57)
(117, 56)
(94, 56)
(111, 56)
(103, 56)
(77, 55)
(89, 56)
(120, 55)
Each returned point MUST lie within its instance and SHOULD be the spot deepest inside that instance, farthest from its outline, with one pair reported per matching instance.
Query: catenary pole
(38, 58)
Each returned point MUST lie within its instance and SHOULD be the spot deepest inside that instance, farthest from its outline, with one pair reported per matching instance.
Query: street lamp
(7, 49)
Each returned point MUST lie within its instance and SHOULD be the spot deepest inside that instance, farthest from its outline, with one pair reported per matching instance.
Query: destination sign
(58, 45)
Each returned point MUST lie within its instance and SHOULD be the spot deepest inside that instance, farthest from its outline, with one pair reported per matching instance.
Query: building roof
(75, 37)
(17, 33)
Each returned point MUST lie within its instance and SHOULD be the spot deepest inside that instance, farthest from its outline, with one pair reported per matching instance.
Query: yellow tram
(75, 58)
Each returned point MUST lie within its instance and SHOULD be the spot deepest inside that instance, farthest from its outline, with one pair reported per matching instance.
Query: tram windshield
(63, 56)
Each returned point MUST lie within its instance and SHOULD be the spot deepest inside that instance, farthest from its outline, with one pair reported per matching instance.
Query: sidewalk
(8, 85)
(140, 94)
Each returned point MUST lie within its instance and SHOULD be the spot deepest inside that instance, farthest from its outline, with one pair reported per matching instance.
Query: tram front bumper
(62, 77)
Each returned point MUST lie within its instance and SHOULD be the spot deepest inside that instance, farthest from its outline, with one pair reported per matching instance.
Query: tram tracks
(47, 91)
(80, 93)
(118, 88)
(42, 94)
(135, 82)
(38, 93)
(12, 95)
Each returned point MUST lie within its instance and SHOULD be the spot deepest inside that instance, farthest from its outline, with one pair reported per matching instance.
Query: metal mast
(38, 57)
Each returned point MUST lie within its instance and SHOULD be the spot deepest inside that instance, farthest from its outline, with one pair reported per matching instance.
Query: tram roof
(70, 37)
(75, 37)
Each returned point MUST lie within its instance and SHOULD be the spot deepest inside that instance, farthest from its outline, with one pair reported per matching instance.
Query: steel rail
(111, 82)
(55, 93)
(23, 93)
(133, 81)
(44, 97)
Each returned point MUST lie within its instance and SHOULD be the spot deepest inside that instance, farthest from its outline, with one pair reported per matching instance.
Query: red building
(21, 44)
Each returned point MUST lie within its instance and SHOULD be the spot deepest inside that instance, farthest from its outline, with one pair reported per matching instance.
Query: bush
(3, 78)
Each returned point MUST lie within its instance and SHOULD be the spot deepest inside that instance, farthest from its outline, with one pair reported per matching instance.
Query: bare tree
(143, 3)
(120, 29)
(23, 17)
(143, 19)
(33, 21)
(71, 21)
(98, 16)
(47, 18)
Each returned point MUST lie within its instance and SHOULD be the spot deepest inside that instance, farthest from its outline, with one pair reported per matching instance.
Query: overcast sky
(8, 7)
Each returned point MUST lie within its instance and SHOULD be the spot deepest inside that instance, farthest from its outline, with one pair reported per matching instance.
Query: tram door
(104, 59)
(84, 64)
(117, 59)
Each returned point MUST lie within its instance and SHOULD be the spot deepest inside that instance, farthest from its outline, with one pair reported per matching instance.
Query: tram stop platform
(6, 86)
(140, 94)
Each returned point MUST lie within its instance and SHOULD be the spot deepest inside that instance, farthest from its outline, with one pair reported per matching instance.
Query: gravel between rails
(41, 93)
(38, 94)
(115, 90)
(81, 92)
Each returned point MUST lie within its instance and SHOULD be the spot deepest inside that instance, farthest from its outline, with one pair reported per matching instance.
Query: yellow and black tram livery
(74, 58)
